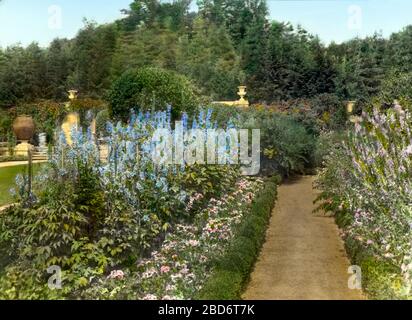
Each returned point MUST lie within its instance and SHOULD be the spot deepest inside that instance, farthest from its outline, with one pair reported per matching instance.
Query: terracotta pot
(23, 128)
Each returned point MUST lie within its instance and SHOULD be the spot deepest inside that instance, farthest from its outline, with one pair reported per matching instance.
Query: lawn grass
(7, 181)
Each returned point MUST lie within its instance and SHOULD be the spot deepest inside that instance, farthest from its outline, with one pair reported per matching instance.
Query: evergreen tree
(323, 74)
(209, 57)
(92, 52)
(59, 67)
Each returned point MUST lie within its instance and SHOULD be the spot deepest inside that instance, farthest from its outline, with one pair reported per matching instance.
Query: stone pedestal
(22, 149)
(72, 121)
(242, 102)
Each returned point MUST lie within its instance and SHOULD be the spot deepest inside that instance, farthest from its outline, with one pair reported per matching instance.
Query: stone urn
(23, 128)
(242, 93)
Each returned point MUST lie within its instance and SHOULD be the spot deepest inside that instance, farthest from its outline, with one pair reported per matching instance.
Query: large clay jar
(23, 128)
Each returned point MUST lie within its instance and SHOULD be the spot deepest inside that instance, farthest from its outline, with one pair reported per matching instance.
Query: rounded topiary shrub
(151, 88)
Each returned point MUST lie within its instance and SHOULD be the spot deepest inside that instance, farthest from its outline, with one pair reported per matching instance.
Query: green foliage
(381, 280)
(283, 63)
(361, 65)
(92, 53)
(102, 118)
(209, 57)
(326, 143)
(222, 45)
(150, 12)
(232, 270)
(148, 46)
(46, 115)
(397, 86)
(284, 141)
(5, 125)
(70, 227)
(287, 145)
(151, 89)
(209, 180)
(21, 74)
(237, 16)
(366, 182)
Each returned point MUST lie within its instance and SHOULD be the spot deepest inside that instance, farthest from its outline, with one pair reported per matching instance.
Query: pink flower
(194, 243)
(150, 297)
(185, 270)
(407, 151)
(116, 274)
(165, 269)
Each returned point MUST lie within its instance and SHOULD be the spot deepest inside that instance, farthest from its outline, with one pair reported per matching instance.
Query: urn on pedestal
(23, 128)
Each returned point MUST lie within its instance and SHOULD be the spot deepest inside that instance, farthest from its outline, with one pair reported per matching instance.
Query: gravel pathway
(303, 257)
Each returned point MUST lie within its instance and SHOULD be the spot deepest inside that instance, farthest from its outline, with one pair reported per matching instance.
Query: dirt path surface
(303, 257)
(17, 163)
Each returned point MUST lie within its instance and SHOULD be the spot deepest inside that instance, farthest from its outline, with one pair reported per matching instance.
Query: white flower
(193, 243)
(116, 274)
(407, 151)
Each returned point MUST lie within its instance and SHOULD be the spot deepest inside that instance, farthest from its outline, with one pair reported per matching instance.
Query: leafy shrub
(5, 125)
(325, 143)
(331, 110)
(46, 115)
(151, 89)
(324, 112)
(102, 118)
(397, 86)
(287, 146)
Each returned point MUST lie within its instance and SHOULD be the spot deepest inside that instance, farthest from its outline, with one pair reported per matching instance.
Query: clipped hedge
(380, 280)
(232, 270)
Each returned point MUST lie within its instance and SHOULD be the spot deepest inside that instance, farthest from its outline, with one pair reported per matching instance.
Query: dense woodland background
(224, 44)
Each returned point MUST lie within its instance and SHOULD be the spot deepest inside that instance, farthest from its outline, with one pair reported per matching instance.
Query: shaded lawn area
(7, 181)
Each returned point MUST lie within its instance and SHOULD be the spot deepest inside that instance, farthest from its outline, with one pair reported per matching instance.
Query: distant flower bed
(368, 182)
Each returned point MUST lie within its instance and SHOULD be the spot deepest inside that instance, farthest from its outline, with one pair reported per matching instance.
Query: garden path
(303, 257)
(17, 163)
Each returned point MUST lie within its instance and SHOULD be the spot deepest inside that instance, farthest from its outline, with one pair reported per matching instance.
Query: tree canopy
(224, 44)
